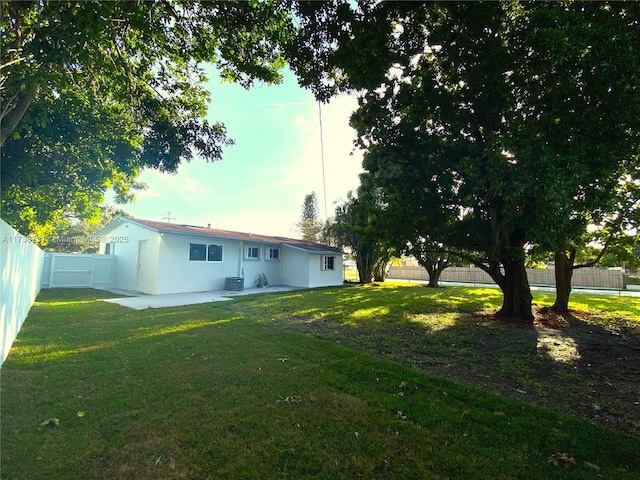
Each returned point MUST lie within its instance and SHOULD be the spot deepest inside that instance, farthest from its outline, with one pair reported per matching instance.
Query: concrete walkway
(142, 302)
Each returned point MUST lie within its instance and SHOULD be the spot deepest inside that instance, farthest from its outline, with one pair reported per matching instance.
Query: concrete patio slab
(142, 302)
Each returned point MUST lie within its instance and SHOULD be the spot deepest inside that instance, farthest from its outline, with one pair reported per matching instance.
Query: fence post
(51, 266)
(93, 269)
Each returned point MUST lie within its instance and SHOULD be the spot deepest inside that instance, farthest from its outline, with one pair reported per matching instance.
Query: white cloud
(260, 184)
(148, 193)
(190, 189)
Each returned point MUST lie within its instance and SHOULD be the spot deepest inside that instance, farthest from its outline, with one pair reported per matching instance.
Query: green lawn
(248, 389)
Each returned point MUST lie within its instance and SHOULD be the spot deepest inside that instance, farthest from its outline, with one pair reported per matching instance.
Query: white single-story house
(160, 258)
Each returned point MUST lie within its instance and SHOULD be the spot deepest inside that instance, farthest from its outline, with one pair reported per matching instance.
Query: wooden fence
(582, 277)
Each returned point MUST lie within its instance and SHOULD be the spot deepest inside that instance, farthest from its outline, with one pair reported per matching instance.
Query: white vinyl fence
(21, 263)
(582, 277)
(71, 270)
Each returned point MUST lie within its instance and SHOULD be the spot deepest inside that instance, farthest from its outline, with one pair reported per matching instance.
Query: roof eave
(311, 250)
(274, 241)
(122, 220)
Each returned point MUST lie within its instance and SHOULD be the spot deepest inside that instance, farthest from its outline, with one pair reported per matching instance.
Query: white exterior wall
(295, 267)
(324, 278)
(303, 269)
(21, 262)
(251, 268)
(177, 274)
(127, 238)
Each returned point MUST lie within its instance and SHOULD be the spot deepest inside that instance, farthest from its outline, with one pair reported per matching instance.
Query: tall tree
(410, 223)
(92, 92)
(309, 225)
(500, 117)
(350, 229)
(431, 256)
(357, 227)
(584, 90)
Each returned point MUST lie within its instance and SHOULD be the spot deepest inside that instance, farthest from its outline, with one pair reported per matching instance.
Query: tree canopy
(509, 123)
(92, 92)
(79, 235)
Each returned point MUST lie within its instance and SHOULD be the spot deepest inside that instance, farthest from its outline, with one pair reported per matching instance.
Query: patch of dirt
(591, 370)
(574, 363)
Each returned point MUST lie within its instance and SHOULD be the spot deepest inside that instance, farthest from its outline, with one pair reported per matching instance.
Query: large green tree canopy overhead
(508, 121)
(94, 91)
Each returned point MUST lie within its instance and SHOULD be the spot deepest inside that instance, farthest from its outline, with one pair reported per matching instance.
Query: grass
(316, 384)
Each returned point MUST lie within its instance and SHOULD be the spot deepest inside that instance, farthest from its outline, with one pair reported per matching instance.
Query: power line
(324, 182)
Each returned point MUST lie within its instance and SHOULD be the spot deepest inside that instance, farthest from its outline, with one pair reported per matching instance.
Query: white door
(285, 267)
(142, 254)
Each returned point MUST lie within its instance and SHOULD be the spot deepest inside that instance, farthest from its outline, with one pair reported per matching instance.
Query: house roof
(174, 228)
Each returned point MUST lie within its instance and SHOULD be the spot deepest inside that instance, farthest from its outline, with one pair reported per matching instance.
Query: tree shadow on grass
(600, 363)
(572, 364)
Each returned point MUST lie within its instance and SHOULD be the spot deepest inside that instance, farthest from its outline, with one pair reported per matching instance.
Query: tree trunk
(434, 272)
(378, 273)
(365, 273)
(12, 118)
(382, 258)
(364, 264)
(434, 278)
(434, 268)
(563, 274)
(517, 299)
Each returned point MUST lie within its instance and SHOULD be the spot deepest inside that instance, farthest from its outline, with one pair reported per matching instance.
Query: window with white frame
(200, 252)
(252, 252)
(273, 253)
(197, 252)
(214, 253)
(328, 262)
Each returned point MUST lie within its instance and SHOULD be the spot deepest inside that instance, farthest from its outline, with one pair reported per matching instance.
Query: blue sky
(260, 184)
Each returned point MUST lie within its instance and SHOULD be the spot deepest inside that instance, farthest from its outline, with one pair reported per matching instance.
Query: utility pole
(168, 217)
